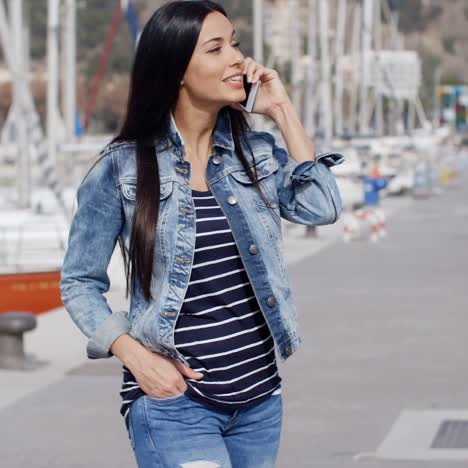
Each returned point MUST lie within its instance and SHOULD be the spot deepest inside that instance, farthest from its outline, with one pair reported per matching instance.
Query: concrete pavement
(385, 328)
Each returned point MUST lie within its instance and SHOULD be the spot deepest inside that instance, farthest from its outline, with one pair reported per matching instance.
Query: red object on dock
(35, 292)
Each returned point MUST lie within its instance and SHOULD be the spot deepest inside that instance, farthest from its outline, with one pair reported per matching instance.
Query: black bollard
(311, 232)
(12, 327)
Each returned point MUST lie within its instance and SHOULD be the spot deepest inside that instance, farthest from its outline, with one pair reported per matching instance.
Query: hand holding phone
(251, 93)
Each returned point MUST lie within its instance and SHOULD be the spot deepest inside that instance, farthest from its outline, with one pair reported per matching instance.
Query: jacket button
(182, 259)
(232, 200)
(216, 160)
(185, 210)
(253, 249)
(271, 301)
(288, 351)
(169, 313)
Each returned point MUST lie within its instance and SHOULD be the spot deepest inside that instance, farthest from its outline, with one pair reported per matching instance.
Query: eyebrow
(218, 38)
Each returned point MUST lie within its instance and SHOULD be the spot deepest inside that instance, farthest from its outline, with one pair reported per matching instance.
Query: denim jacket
(304, 193)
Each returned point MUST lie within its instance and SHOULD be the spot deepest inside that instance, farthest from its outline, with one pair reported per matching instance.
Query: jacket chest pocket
(128, 189)
(266, 169)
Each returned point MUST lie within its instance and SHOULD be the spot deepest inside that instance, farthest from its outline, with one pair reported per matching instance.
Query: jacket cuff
(330, 159)
(107, 332)
(304, 171)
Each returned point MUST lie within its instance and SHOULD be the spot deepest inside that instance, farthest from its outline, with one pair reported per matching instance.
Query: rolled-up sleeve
(93, 235)
(307, 191)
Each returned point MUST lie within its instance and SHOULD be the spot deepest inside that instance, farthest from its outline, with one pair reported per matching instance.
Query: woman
(195, 199)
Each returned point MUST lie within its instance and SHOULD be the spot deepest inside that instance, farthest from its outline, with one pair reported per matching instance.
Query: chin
(239, 94)
(227, 102)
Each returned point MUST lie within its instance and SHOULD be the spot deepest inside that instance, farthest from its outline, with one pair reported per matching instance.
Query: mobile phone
(251, 93)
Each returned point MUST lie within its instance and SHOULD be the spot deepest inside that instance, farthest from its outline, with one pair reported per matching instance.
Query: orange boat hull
(30, 292)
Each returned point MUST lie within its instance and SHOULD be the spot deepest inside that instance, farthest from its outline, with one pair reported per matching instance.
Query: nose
(238, 58)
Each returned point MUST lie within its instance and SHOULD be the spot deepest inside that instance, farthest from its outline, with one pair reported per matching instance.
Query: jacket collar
(222, 133)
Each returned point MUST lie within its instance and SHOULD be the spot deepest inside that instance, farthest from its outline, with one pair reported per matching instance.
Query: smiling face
(216, 57)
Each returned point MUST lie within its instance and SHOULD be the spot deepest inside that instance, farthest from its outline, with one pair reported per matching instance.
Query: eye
(236, 44)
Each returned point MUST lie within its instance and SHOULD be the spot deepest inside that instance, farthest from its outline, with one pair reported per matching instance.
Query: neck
(196, 128)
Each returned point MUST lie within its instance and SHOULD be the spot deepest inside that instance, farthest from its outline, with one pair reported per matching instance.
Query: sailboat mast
(311, 78)
(365, 72)
(258, 30)
(52, 81)
(17, 62)
(69, 47)
(295, 35)
(326, 117)
(339, 49)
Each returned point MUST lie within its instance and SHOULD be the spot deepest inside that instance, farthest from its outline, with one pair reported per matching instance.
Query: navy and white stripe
(220, 330)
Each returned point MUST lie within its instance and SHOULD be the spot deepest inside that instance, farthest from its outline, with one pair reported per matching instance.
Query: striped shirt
(220, 330)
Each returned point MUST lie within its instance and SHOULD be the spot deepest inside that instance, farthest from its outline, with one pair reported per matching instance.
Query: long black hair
(162, 56)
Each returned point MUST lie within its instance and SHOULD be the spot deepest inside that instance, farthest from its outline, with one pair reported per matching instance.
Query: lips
(233, 76)
(234, 84)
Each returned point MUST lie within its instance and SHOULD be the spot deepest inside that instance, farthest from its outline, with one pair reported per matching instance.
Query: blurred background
(381, 293)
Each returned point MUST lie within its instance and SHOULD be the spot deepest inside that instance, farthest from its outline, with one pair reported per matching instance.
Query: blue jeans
(179, 432)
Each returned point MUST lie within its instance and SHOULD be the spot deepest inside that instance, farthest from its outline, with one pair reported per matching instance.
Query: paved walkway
(384, 328)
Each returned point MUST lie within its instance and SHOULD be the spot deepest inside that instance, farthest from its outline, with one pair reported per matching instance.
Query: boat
(32, 246)
(35, 292)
